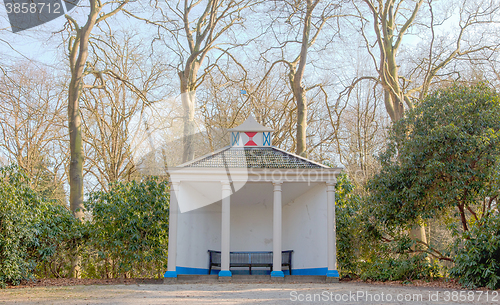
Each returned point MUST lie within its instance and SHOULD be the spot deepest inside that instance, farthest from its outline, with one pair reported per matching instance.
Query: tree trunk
(75, 267)
(395, 108)
(418, 232)
(76, 150)
(78, 59)
(188, 97)
(393, 95)
(296, 77)
(301, 122)
(188, 104)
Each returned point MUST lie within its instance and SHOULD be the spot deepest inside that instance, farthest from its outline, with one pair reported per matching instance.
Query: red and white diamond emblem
(250, 139)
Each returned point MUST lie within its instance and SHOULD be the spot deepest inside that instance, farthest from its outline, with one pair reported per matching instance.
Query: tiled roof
(261, 157)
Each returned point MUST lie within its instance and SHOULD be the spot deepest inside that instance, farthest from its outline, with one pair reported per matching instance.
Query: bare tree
(193, 29)
(475, 44)
(107, 113)
(362, 134)
(223, 106)
(392, 20)
(306, 19)
(78, 48)
(31, 120)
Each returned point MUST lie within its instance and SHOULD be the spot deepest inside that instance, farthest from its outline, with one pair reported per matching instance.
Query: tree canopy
(442, 157)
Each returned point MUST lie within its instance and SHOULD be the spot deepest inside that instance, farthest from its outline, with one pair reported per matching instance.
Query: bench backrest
(286, 257)
(257, 257)
(215, 257)
(262, 258)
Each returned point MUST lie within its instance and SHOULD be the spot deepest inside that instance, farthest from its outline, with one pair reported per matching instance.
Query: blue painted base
(256, 271)
(197, 271)
(225, 273)
(310, 271)
(332, 273)
(277, 274)
(170, 274)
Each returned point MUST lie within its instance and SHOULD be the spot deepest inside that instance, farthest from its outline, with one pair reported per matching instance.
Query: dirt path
(233, 293)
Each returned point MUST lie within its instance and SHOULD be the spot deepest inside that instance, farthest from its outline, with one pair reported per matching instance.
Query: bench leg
(250, 270)
(290, 268)
(210, 270)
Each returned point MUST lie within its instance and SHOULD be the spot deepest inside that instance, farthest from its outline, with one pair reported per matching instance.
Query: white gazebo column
(277, 227)
(172, 231)
(331, 233)
(225, 229)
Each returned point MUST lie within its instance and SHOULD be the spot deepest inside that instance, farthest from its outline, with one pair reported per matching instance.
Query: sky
(44, 44)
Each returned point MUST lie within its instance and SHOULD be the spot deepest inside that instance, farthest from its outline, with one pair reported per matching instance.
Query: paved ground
(245, 293)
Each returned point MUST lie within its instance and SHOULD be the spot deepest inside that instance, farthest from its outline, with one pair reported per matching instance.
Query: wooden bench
(250, 259)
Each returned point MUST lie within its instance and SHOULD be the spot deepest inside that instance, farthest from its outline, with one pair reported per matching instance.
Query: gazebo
(251, 197)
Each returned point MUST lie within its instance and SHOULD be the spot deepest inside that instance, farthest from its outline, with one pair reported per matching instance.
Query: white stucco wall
(304, 226)
(304, 230)
(252, 218)
(198, 231)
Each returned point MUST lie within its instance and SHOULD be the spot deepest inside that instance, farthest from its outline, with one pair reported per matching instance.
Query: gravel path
(235, 293)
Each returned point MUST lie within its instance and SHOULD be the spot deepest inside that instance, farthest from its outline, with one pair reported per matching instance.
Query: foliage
(358, 237)
(477, 262)
(60, 238)
(349, 229)
(345, 211)
(127, 234)
(32, 229)
(129, 227)
(361, 250)
(442, 163)
(17, 234)
(443, 155)
(403, 267)
(395, 261)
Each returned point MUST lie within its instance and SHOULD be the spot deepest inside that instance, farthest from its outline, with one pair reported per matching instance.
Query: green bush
(32, 229)
(477, 262)
(347, 212)
(129, 229)
(126, 235)
(61, 238)
(358, 233)
(403, 267)
(18, 214)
